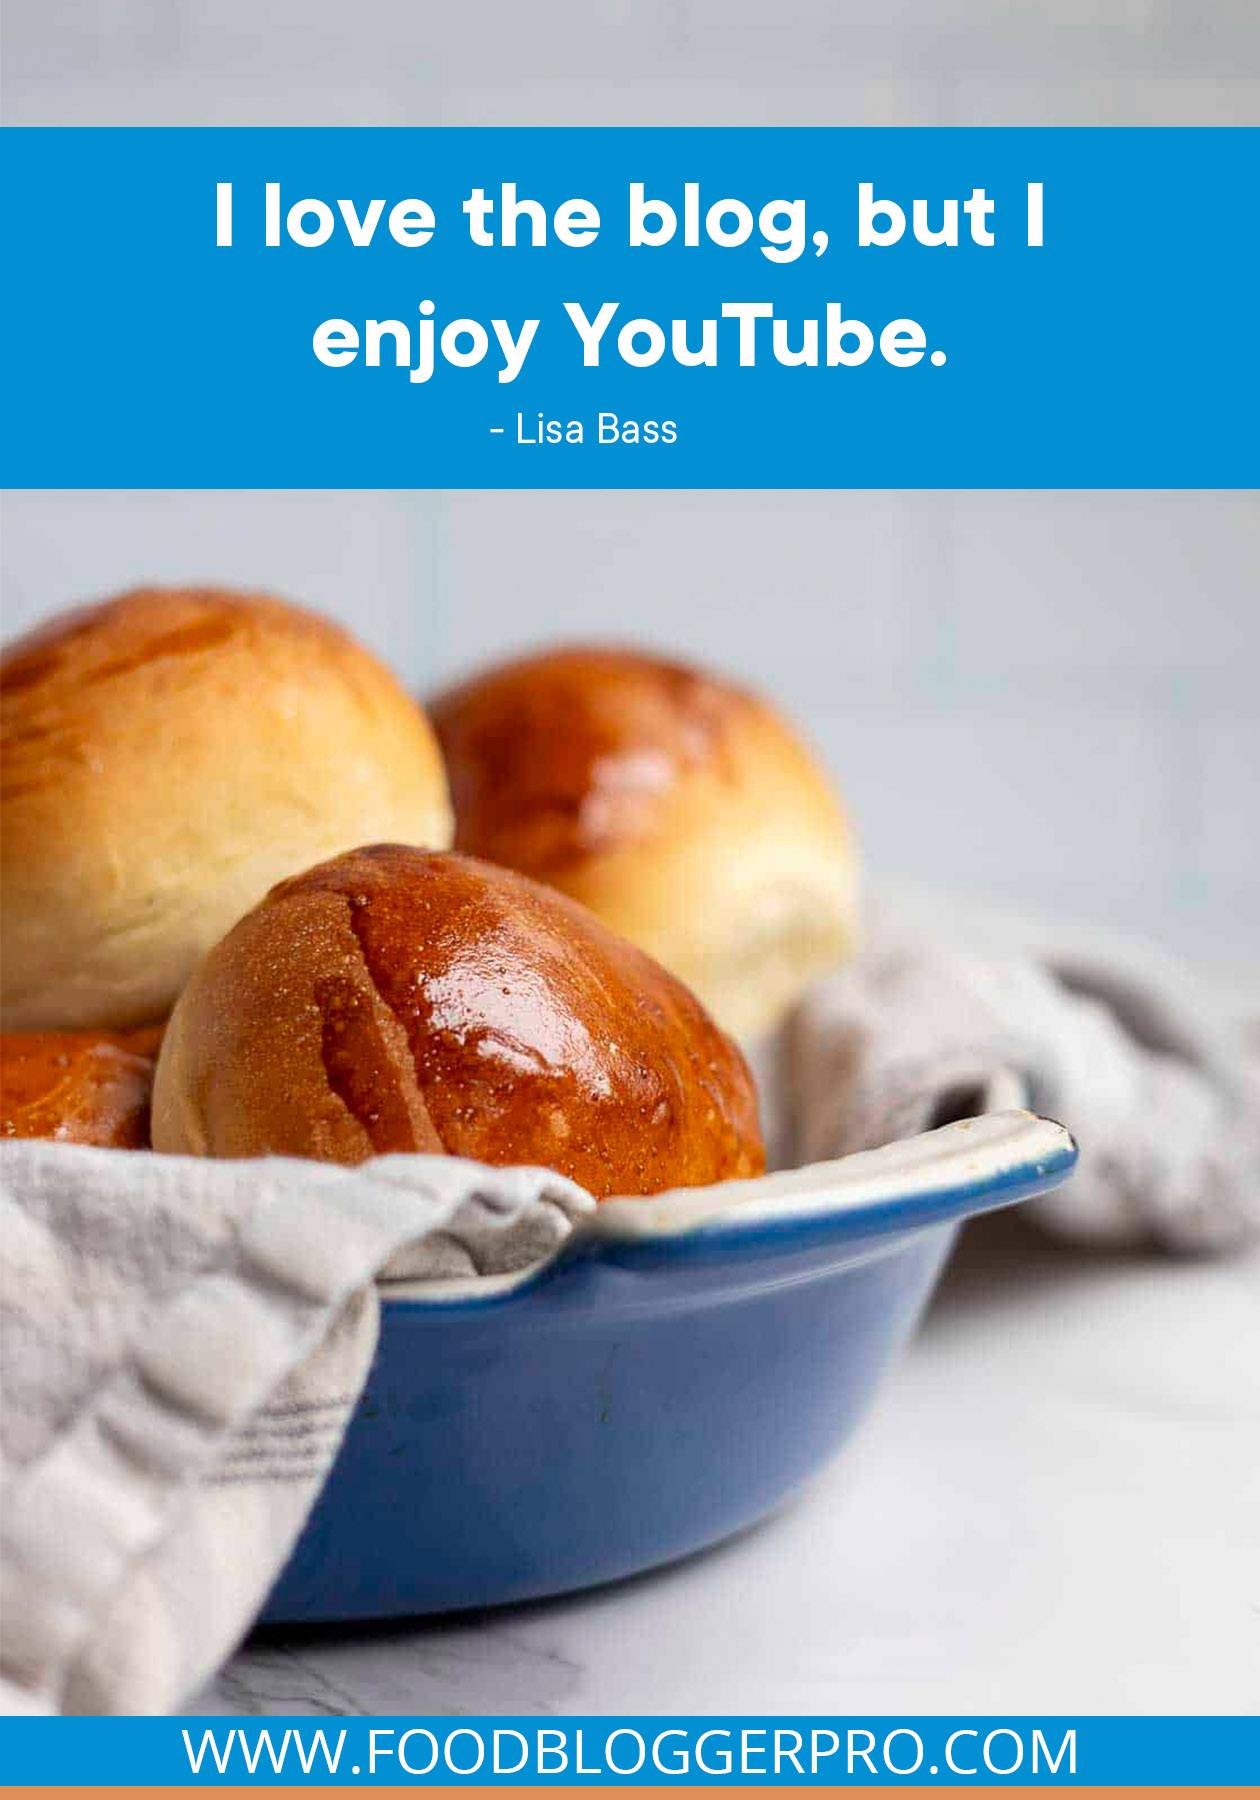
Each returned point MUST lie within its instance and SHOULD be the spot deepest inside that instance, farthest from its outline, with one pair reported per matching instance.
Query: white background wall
(1048, 698)
(1045, 697)
(637, 62)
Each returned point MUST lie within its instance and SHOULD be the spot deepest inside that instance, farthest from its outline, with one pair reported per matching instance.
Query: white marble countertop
(1055, 1508)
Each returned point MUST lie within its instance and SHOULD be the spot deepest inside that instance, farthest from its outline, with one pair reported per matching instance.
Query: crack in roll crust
(393, 999)
(166, 757)
(372, 1078)
(680, 808)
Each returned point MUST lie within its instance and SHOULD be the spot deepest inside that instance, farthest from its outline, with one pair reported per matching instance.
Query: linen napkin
(1134, 1052)
(181, 1345)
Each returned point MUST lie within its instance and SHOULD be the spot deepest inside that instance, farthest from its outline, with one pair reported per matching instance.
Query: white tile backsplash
(1228, 830)
(1047, 698)
(357, 556)
(1113, 62)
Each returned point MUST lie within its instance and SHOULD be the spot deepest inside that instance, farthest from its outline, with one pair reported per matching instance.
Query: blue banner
(631, 308)
(666, 1752)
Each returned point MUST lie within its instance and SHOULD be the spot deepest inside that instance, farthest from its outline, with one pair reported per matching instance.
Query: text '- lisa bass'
(609, 428)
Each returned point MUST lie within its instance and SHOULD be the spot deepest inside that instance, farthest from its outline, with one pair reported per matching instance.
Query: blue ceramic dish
(670, 1376)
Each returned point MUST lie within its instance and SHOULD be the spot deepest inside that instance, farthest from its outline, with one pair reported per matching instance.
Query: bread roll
(679, 808)
(394, 999)
(80, 1087)
(166, 757)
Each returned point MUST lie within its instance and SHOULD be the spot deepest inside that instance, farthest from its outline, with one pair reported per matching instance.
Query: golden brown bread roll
(679, 808)
(164, 758)
(398, 1000)
(80, 1087)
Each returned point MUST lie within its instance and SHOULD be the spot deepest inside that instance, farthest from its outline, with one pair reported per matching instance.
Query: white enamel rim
(970, 1153)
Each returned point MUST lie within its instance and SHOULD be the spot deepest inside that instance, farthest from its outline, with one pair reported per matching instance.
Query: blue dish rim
(1021, 1154)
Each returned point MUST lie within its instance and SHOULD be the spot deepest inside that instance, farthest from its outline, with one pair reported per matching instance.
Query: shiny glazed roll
(79, 1087)
(164, 758)
(680, 808)
(394, 999)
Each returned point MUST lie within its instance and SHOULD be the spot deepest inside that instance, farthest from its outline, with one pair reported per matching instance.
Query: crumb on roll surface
(394, 999)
